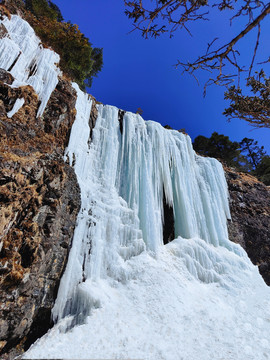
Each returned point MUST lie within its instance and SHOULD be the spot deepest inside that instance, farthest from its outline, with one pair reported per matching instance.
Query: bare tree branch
(179, 13)
(222, 53)
(175, 12)
(162, 16)
(255, 49)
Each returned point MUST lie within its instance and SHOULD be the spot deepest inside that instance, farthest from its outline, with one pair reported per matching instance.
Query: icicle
(108, 231)
(123, 176)
(22, 54)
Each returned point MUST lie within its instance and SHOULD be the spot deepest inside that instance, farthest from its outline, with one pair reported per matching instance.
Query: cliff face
(250, 212)
(39, 199)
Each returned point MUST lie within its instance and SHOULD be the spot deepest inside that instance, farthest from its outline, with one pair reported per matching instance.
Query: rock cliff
(39, 199)
(250, 212)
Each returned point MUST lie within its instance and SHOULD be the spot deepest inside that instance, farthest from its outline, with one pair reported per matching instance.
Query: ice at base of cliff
(22, 54)
(162, 312)
(125, 295)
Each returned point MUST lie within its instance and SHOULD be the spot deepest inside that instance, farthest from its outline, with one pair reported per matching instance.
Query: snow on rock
(126, 295)
(22, 54)
(18, 104)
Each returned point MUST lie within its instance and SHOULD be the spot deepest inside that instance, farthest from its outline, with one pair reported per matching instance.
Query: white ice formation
(126, 295)
(22, 54)
(18, 104)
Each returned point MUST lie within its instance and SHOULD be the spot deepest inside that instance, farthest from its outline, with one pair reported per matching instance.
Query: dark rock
(5, 76)
(39, 202)
(60, 113)
(168, 127)
(168, 222)
(250, 212)
(93, 117)
(121, 114)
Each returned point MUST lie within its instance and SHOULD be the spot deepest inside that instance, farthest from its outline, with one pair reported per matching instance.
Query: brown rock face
(6, 76)
(39, 202)
(250, 212)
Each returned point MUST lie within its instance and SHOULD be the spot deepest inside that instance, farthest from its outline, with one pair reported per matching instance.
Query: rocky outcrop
(6, 77)
(250, 212)
(39, 199)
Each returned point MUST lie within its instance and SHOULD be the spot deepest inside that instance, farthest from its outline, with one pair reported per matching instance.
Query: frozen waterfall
(123, 178)
(126, 294)
(23, 55)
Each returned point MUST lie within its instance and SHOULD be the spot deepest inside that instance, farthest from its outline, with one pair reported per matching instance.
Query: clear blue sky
(141, 73)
